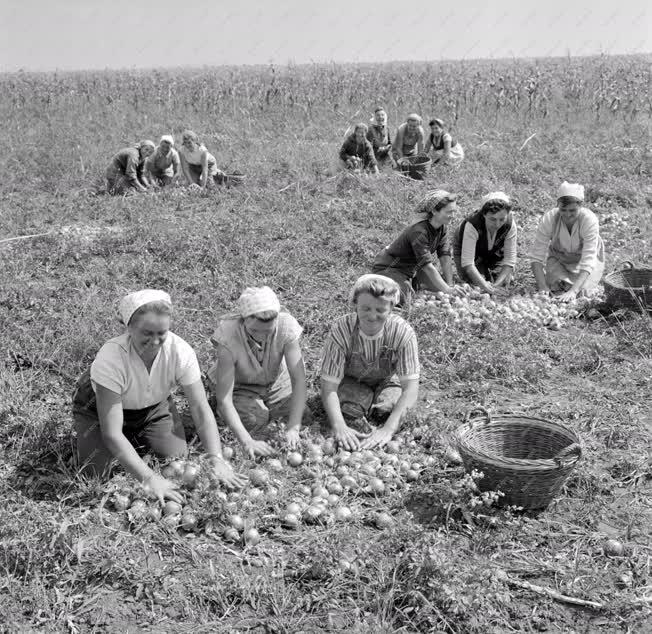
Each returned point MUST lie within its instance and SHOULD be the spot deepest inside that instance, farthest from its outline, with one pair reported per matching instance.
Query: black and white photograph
(325, 317)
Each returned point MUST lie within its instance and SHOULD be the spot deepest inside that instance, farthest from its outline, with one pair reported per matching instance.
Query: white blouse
(119, 368)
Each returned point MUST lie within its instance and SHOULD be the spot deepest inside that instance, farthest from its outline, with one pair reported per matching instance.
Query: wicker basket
(417, 166)
(629, 287)
(527, 459)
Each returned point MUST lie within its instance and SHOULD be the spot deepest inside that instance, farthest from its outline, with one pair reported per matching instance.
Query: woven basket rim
(516, 464)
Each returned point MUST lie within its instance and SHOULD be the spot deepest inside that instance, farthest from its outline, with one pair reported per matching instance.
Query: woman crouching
(370, 365)
(259, 373)
(125, 400)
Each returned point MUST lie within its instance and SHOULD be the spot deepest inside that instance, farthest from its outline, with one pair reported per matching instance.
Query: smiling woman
(125, 402)
(370, 364)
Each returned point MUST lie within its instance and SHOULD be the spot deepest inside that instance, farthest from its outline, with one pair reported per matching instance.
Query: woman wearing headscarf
(485, 244)
(410, 259)
(259, 373)
(568, 253)
(357, 152)
(125, 400)
(409, 139)
(197, 163)
(444, 148)
(162, 166)
(379, 136)
(370, 365)
(126, 171)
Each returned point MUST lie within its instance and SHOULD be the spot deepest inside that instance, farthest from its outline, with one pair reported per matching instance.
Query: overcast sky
(80, 34)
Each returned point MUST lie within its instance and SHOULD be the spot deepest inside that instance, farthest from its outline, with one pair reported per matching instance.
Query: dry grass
(443, 566)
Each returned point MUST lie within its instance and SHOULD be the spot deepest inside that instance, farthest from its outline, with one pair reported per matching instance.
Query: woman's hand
(224, 473)
(258, 448)
(568, 296)
(163, 489)
(378, 438)
(292, 439)
(348, 438)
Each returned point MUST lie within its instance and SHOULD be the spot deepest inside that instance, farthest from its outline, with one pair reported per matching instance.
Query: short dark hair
(379, 109)
(495, 206)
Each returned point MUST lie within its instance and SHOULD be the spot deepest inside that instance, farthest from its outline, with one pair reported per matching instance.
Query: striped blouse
(397, 332)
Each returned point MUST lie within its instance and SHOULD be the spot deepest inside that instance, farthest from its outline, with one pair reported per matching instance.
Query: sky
(43, 35)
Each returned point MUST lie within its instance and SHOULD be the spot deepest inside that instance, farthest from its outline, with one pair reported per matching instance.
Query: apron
(365, 380)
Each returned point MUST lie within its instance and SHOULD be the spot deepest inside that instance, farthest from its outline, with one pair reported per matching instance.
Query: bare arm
(539, 276)
(433, 278)
(346, 437)
(297, 372)
(109, 411)
(225, 382)
(203, 179)
(185, 169)
(206, 426)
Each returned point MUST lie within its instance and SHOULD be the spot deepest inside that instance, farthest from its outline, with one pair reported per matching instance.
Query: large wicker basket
(417, 166)
(629, 287)
(527, 459)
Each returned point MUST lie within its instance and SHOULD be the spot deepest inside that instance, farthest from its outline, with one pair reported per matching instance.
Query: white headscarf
(167, 137)
(572, 190)
(129, 304)
(258, 300)
(502, 196)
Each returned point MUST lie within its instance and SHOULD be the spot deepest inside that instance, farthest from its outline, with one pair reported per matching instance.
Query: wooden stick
(553, 594)
(33, 235)
(527, 141)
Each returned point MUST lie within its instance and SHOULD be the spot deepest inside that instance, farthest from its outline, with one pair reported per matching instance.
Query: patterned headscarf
(258, 300)
(129, 304)
(430, 201)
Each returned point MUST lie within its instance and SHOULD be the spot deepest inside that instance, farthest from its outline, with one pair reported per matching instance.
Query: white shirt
(471, 236)
(583, 239)
(119, 368)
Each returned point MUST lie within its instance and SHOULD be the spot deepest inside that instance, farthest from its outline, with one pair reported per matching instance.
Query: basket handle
(625, 265)
(570, 454)
(477, 410)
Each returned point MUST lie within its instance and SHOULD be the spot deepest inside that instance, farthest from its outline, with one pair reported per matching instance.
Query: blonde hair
(377, 286)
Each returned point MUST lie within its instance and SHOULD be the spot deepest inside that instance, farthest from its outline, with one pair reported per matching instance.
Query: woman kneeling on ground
(125, 173)
(125, 400)
(259, 373)
(485, 245)
(370, 364)
(197, 163)
(409, 140)
(162, 167)
(409, 260)
(356, 152)
(445, 149)
(568, 240)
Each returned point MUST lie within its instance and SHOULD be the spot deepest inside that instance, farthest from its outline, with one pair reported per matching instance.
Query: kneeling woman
(568, 241)
(259, 372)
(485, 245)
(126, 172)
(357, 152)
(370, 364)
(125, 398)
(409, 260)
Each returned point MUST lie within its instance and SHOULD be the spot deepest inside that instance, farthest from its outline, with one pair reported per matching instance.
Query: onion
(295, 459)
(274, 465)
(189, 522)
(171, 508)
(343, 513)
(258, 477)
(377, 486)
(236, 522)
(613, 548)
(227, 452)
(120, 502)
(411, 475)
(290, 520)
(231, 535)
(294, 508)
(251, 536)
(189, 477)
(383, 520)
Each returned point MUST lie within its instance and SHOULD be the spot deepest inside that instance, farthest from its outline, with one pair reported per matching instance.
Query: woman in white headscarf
(124, 401)
(484, 246)
(125, 173)
(567, 254)
(259, 373)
